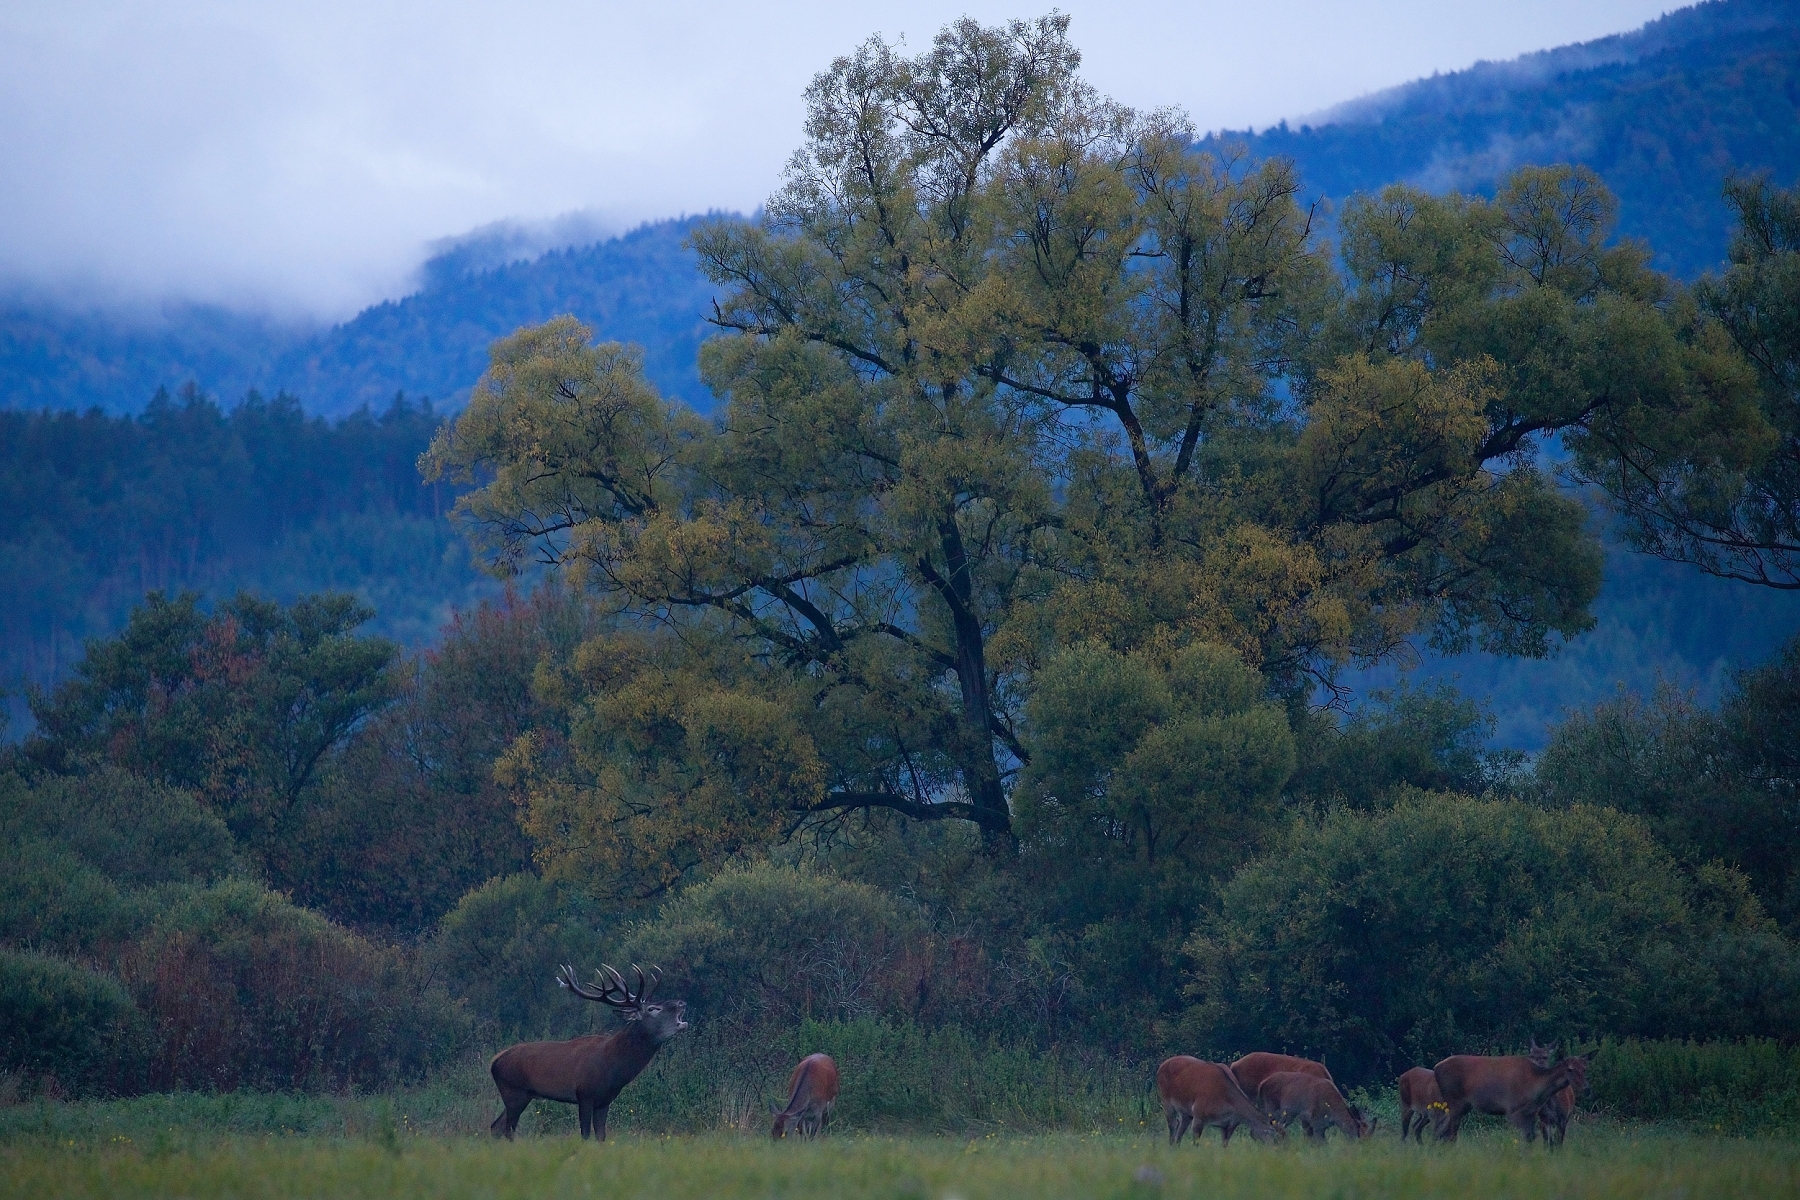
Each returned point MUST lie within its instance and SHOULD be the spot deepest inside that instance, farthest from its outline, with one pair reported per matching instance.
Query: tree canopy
(1010, 368)
(1711, 476)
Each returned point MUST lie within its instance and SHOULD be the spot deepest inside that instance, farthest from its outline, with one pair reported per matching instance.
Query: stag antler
(612, 991)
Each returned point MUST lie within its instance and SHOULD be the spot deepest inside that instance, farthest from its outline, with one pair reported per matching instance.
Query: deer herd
(1263, 1092)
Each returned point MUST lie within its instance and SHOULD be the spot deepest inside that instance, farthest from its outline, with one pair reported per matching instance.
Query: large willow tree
(1009, 370)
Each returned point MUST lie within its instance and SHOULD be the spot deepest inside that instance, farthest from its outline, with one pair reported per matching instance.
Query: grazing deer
(1314, 1100)
(1553, 1117)
(1253, 1068)
(1510, 1086)
(1420, 1101)
(812, 1090)
(588, 1072)
(1199, 1094)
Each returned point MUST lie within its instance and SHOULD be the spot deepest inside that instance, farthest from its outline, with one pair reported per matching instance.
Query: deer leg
(513, 1105)
(600, 1121)
(1451, 1122)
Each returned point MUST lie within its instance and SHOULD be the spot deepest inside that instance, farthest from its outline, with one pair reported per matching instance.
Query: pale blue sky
(301, 156)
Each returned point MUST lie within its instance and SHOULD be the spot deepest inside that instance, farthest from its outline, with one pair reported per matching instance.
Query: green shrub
(774, 943)
(1448, 924)
(242, 989)
(51, 900)
(69, 1024)
(1745, 1086)
(1712, 785)
(136, 833)
(499, 950)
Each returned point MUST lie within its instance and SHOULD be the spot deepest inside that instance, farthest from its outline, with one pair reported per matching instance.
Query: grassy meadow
(1598, 1162)
(432, 1141)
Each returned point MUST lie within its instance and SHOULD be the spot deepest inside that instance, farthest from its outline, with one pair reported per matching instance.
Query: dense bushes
(499, 949)
(70, 1026)
(189, 977)
(242, 988)
(1447, 924)
(1721, 785)
(1745, 1086)
(776, 944)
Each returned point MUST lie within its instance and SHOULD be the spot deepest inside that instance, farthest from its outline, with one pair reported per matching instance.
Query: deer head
(660, 1021)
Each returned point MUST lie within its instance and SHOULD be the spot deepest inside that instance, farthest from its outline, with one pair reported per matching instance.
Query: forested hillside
(188, 496)
(642, 287)
(1663, 114)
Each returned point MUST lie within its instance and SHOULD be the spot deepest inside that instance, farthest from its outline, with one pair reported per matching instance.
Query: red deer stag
(812, 1090)
(1420, 1101)
(1253, 1068)
(1314, 1100)
(1199, 1094)
(1510, 1086)
(588, 1072)
(1553, 1117)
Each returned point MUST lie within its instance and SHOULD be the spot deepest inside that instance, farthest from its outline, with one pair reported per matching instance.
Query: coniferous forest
(977, 683)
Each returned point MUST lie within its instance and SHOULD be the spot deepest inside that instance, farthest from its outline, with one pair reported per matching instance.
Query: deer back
(813, 1081)
(1253, 1068)
(1501, 1084)
(1419, 1089)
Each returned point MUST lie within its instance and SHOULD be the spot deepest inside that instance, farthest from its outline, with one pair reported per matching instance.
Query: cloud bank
(302, 159)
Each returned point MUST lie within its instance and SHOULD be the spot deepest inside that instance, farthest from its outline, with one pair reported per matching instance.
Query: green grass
(1598, 1162)
(997, 1140)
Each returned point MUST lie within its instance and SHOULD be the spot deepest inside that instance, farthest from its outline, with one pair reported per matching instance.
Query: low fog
(301, 159)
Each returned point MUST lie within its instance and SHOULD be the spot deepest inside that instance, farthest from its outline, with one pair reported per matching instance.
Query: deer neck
(1552, 1079)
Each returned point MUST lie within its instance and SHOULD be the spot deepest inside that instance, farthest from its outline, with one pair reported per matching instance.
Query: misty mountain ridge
(1663, 114)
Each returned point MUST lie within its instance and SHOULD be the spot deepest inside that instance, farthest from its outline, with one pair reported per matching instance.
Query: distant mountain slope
(1662, 114)
(643, 287)
(54, 356)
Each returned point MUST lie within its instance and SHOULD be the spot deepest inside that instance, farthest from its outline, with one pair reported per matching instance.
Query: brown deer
(1553, 1117)
(1253, 1068)
(588, 1072)
(1198, 1094)
(1510, 1086)
(812, 1090)
(1314, 1100)
(1420, 1101)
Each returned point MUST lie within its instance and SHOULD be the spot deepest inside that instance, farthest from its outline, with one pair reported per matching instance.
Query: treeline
(257, 847)
(189, 495)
